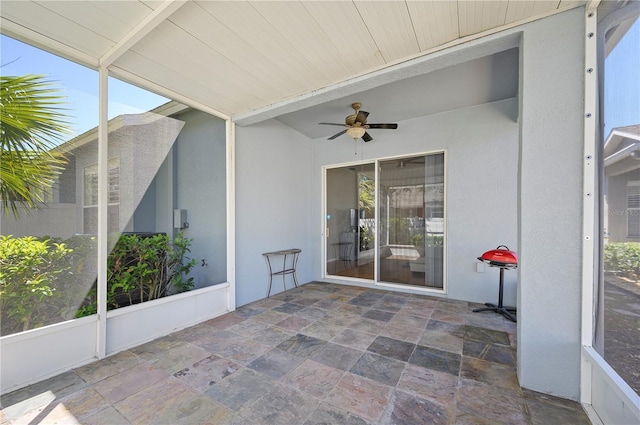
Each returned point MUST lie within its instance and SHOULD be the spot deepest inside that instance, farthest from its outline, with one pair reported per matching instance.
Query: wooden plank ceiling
(237, 56)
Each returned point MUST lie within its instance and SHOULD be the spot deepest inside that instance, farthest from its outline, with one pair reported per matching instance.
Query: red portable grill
(500, 257)
(504, 259)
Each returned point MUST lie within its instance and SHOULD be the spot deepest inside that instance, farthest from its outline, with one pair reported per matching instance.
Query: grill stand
(505, 311)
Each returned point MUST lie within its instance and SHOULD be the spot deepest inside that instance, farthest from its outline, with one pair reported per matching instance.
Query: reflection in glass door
(411, 220)
(618, 328)
(350, 221)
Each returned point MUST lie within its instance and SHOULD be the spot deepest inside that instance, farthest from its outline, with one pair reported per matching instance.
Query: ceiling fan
(357, 126)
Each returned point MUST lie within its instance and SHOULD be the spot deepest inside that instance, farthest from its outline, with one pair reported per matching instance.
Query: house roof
(622, 150)
(239, 59)
(121, 121)
(618, 135)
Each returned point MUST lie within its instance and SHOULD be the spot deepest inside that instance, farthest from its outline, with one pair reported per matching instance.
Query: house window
(91, 183)
(91, 197)
(633, 209)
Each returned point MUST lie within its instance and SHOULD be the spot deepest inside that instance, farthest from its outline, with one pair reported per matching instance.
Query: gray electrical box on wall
(180, 219)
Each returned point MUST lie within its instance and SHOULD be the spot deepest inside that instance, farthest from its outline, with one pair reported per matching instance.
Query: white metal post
(589, 203)
(231, 214)
(103, 187)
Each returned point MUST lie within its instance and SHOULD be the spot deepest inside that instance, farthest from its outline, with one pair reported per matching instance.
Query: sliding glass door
(411, 220)
(350, 222)
(409, 223)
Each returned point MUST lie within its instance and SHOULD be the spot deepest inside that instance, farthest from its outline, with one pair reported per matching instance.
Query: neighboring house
(147, 163)
(74, 197)
(622, 191)
(132, 167)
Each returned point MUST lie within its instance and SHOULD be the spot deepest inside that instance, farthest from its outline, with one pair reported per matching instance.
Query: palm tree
(32, 123)
(366, 194)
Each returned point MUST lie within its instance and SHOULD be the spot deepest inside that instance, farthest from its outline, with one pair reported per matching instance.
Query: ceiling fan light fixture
(357, 126)
(356, 132)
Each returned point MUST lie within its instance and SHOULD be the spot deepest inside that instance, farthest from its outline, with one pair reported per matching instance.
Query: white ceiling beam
(148, 24)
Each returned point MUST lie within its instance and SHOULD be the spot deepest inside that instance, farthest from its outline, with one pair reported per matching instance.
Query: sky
(79, 84)
(622, 82)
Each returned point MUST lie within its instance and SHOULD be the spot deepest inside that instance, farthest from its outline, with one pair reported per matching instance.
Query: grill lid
(501, 257)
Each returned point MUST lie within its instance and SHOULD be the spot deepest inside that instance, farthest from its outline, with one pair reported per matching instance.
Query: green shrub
(623, 258)
(435, 240)
(142, 268)
(366, 238)
(431, 240)
(31, 272)
(399, 231)
(45, 281)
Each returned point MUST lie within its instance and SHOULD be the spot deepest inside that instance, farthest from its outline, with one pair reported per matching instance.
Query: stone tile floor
(318, 354)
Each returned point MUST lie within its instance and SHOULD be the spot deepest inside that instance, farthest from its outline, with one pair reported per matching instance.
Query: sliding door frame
(376, 276)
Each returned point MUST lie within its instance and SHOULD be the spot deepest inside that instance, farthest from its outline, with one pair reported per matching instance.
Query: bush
(144, 267)
(431, 240)
(147, 267)
(366, 237)
(623, 258)
(45, 281)
(31, 271)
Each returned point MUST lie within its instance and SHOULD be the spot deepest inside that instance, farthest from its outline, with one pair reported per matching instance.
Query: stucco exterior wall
(550, 203)
(58, 220)
(200, 188)
(273, 205)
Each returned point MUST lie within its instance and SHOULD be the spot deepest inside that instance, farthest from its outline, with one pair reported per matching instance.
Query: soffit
(235, 57)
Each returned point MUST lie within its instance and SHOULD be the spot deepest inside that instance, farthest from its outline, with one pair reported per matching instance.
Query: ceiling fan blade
(385, 126)
(362, 117)
(337, 135)
(367, 137)
(332, 123)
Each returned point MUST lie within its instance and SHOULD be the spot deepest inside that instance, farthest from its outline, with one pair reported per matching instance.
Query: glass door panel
(350, 221)
(411, 220)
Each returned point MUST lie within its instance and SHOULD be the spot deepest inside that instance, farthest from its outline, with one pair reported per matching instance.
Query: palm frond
(33, 120)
